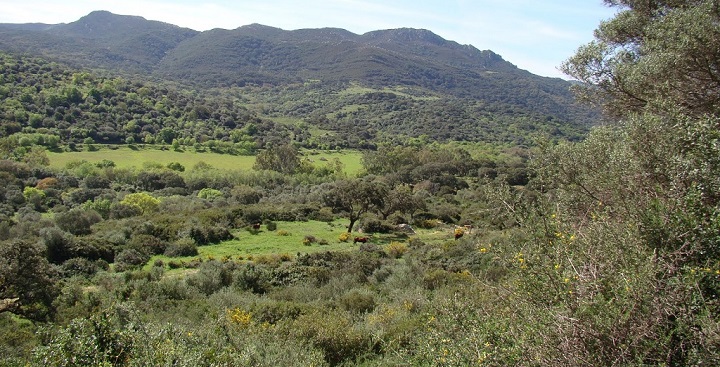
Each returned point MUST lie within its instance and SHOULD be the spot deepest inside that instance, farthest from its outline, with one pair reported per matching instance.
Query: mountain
(98, 40)
(414, 61)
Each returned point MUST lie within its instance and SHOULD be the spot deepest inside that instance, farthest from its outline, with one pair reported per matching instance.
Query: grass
(351, 159)
(125, 157)
(356, 88)
(248, 246)
(267, 242)
(271, 242)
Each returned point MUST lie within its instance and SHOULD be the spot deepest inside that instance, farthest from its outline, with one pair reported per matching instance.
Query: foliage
(26, 274)
(595, 253)
(283, 158)
(98, 340)
(355, 197)
(142, 200)
(648, 42)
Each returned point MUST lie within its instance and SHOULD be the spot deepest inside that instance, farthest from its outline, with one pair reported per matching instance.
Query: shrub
(283, 232)
(83, 267)
(344, 237)
(212, 276)
(96, 341)
(271, 226)
(145, 202)
(203, 235)
(130, 259)
(334, 333)
(309, 240)
(376, 226)
(428, 223)
(210, 194)
(77, 221)
(358, 301)
(396, 249)
(182, 247)
(147, 244)
(249, 276)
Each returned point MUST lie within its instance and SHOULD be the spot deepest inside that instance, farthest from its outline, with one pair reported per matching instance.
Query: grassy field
(289, 239)
(126, 157)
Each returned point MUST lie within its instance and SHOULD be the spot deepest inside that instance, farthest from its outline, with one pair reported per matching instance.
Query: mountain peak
(405, 35)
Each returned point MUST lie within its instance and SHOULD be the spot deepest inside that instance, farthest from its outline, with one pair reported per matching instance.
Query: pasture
(126, 157)
(291, 238)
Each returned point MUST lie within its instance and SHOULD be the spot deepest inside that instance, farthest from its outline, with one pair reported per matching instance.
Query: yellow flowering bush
(239, 317)
(344, 237)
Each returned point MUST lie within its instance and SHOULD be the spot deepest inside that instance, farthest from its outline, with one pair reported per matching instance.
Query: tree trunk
(352, 223)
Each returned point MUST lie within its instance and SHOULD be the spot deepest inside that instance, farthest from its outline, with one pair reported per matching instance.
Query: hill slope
(416, 61)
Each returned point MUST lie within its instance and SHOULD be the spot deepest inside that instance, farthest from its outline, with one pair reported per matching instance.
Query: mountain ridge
(105, 33)
(261, 55)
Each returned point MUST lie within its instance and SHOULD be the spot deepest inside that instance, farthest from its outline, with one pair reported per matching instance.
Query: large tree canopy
(654, 56)
(656, 65)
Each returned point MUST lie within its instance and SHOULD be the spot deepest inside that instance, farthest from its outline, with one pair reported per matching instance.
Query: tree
(78, 221)
(401, 199)
(657, 65)
(26, 274)
(355, 197)
(652, 56)
(283, 158)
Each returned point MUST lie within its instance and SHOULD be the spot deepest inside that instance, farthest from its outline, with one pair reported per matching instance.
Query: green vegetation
(602, 252)
(125, 157)
(149, 156)
(324, 88)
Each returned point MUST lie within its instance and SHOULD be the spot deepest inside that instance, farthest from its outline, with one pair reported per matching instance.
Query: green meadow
(291, 238)
(126, 157)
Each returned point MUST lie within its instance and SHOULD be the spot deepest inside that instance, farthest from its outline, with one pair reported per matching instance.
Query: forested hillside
(257, 55)
(437, 251)
(54, 105)
(74, 106)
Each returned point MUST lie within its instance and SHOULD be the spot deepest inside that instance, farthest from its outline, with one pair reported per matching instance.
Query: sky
(535, 35)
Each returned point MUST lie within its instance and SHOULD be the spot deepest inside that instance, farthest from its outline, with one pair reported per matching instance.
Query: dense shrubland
(603, 253)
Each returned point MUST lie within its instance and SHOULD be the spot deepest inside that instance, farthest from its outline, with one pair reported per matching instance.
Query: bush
(130, 259)
(376, 226)
(396, 249)
(77, 221)
(96, 341)
(309, 240)
(83, 267)
(255, 278)
(358, 301)
(212, 276)
(182, 247)
(147, 244)
(334, 333)
(203, 235)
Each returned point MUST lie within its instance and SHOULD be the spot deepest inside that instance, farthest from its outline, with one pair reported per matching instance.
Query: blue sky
(534, 35)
